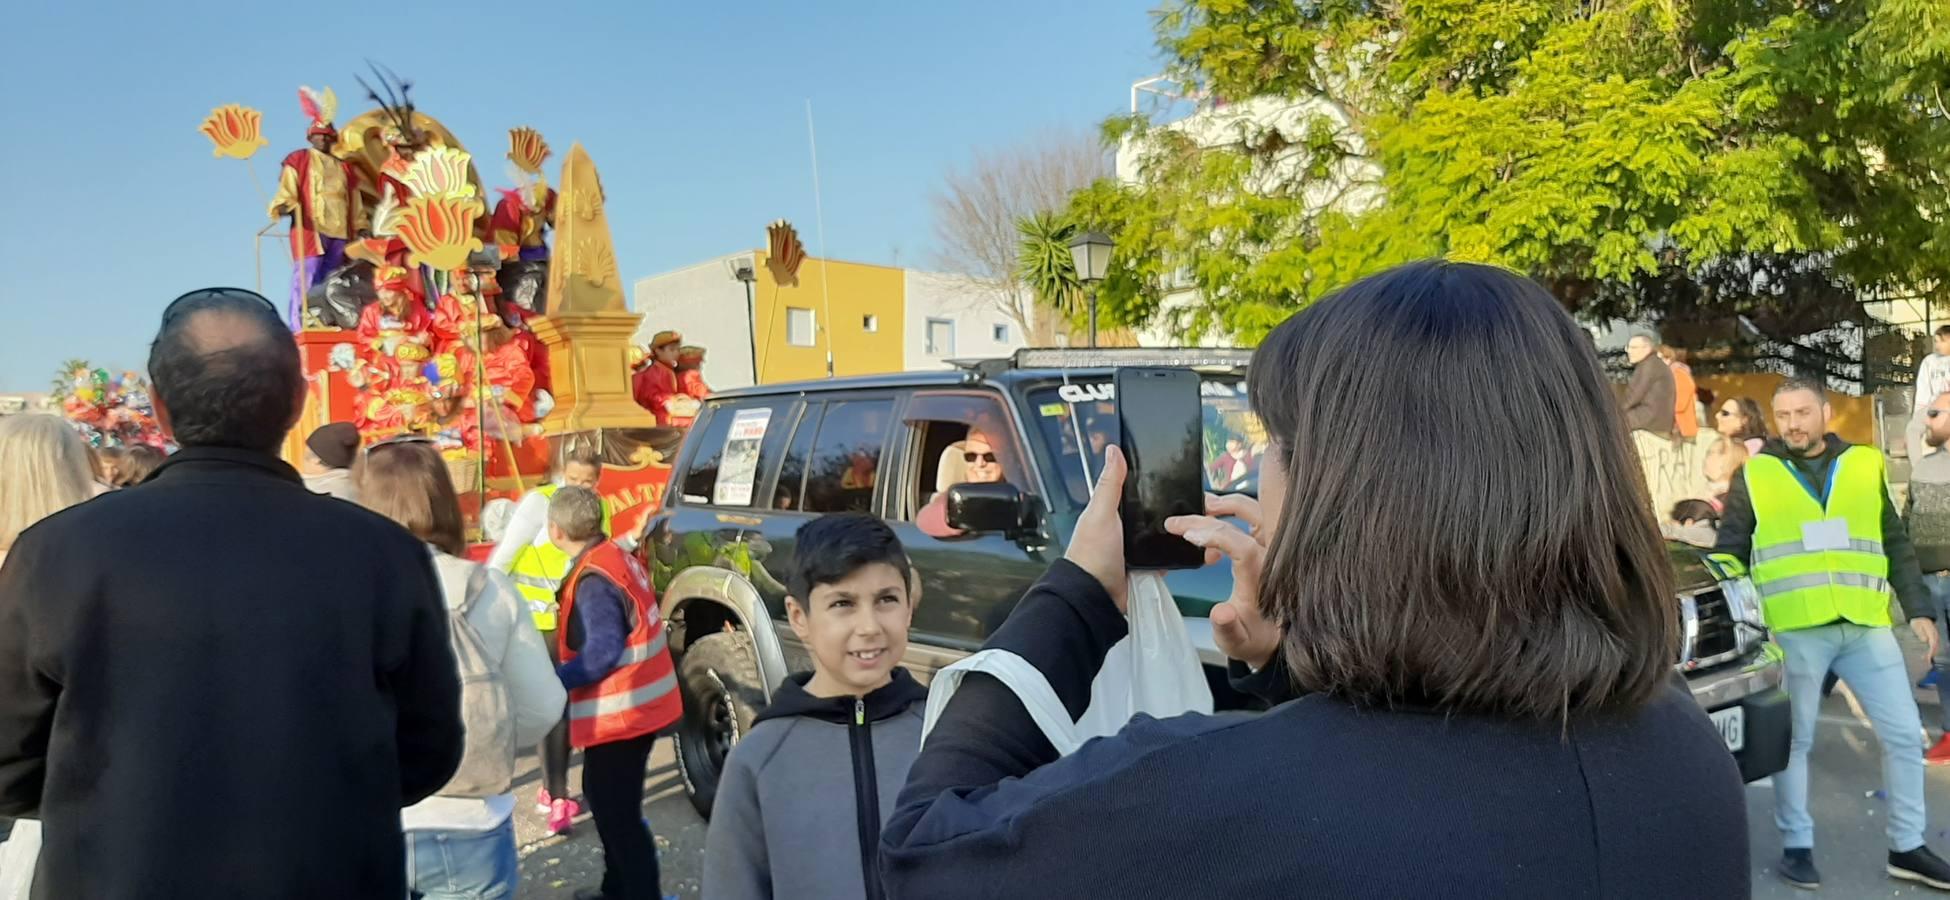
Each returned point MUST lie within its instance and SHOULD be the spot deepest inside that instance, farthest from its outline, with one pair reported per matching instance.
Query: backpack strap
(476, 583)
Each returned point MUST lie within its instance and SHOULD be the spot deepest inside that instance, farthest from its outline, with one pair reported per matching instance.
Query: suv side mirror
(994, 507)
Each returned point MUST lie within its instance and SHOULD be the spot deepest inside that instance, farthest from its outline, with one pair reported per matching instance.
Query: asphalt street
(1846, 775)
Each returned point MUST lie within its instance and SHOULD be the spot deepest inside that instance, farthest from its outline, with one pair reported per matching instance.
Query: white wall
(973, 309)
(708, 306)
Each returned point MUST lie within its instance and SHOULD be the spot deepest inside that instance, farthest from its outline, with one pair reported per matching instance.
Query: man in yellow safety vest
(1811, 520)
(537, 567)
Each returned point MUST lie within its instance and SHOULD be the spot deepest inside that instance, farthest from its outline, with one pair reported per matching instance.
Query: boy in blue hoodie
(837, 739)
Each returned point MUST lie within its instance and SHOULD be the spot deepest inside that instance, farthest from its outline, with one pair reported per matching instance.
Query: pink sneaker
(561, 816)
(542, 802)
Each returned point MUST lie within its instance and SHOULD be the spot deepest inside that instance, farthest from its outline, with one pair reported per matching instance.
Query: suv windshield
(1077, 419)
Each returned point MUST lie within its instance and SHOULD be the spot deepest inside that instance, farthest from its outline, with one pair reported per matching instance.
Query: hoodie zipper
(866, 796)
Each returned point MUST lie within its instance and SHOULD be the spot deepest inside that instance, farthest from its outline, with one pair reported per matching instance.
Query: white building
(952, 317)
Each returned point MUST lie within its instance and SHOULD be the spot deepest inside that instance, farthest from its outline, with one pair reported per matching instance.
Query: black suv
(759, 462)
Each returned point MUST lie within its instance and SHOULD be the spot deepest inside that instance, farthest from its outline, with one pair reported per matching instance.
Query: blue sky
(694, 113)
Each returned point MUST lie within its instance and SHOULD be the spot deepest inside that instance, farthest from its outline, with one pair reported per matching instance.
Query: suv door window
(957, 439)
(792, 469)
(844, 465)
(739, 442)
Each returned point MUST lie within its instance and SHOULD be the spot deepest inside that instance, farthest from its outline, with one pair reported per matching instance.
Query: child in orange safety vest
(622, 687)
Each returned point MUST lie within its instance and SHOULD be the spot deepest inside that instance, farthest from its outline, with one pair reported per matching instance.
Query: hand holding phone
(1097, 544)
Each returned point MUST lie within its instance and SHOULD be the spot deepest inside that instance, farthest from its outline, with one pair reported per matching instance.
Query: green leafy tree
(1623, 152)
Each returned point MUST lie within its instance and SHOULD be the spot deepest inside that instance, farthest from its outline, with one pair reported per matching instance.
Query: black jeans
(554, 751)
(612, 782)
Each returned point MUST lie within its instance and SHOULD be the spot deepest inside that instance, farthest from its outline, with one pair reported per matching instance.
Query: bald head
(226, 372)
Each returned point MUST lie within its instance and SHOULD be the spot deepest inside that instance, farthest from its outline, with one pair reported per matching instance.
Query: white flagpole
(819, 219)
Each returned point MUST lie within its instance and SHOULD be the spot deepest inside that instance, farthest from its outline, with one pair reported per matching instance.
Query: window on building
(739, 443)
(845, 461)
(1001, 333)
(870, 323)
(940, 337)
(799, 326)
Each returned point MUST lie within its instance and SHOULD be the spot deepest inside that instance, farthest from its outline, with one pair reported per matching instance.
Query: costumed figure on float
(500, 395)
(320, 195)
(395, 341)
(655, 384)
(521, 222)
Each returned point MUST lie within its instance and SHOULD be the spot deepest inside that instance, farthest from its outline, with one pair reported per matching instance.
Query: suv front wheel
(718, 676)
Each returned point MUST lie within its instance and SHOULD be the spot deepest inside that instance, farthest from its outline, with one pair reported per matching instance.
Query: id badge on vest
(1827, 534)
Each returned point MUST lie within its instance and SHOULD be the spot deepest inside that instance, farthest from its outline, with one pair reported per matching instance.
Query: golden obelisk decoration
(588, 326)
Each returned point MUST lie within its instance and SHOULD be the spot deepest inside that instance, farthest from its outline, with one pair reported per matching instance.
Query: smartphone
(1161, 431)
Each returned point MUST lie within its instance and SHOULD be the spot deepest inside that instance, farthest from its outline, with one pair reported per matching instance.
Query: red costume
(654, 386)
(518, 225)
(531, 344)
(393, 349)
(322, 204)
(691, 381)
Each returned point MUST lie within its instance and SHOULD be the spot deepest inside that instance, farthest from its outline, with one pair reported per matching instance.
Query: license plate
(1732, 723)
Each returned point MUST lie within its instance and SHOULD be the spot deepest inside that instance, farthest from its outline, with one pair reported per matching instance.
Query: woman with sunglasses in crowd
(1742, 430)
(458, 843)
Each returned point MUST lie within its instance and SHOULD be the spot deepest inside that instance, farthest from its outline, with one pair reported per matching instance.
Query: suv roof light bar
(1117, 357)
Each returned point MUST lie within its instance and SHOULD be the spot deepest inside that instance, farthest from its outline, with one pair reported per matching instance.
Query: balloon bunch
(110, 411)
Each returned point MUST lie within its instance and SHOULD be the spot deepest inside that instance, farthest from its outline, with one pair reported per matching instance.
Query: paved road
(552, 868)
(1848, 816)
(1845, 779)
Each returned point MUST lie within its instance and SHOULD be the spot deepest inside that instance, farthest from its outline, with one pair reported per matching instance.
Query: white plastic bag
(18, 857)
(1153, 670)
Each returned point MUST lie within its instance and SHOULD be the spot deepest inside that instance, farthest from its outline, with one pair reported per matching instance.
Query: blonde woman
(44, 468)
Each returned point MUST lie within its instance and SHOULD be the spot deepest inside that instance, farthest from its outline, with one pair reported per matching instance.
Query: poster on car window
(738, 467)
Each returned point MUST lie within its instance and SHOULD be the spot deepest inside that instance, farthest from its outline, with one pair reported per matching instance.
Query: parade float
(499, 333)
(108, 410)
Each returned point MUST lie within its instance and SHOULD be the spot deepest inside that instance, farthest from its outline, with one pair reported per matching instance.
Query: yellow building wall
(1854, 419)
(856, 290)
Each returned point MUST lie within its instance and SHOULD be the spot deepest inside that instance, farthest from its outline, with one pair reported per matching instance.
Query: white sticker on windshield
(738, 466)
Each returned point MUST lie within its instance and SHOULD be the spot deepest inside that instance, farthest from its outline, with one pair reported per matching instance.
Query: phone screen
(1162, 433)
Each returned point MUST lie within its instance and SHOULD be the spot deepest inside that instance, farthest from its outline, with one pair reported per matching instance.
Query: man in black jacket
(1649, 404)
(218, 683)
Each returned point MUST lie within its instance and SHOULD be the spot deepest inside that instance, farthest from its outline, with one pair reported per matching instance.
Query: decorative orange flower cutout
(439, 230)
(527, 149)
(440, 172)
(237, 131)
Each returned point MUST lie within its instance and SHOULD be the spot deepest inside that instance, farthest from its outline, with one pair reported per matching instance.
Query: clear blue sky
(693, 112)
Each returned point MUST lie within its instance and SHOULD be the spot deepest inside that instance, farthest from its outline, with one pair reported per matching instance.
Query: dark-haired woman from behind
(1475, 652)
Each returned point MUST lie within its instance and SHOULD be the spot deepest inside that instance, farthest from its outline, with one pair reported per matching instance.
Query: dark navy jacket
(1316, 797)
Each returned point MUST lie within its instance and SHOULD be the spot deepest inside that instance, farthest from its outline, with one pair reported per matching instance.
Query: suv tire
(718, 676)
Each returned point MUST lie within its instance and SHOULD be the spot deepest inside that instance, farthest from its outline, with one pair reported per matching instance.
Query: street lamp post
(1090, 251)
(745, 269)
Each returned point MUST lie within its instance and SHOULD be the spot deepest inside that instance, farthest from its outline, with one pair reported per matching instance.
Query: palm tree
(64, 377)
(1043, 261)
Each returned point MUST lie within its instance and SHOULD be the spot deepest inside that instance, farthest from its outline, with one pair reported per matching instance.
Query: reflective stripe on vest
(1804, 588)
(639, 695)
(538, 569)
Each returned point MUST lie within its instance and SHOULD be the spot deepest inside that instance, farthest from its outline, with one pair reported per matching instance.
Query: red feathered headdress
(319, 107)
